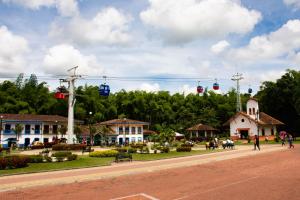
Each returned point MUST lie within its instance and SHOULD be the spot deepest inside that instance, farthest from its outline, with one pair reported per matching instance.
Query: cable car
(216, 85)
(199, 88)
(250, 90)
(59, 95)
(104, 90)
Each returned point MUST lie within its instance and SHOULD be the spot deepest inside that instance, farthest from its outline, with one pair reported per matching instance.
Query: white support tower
(237, 77)
(71, 138)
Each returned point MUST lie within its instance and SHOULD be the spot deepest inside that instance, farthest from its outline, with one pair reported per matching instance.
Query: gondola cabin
(199, 89)
(59, 95)
(216, 86)
(250, 90)
(104, 90)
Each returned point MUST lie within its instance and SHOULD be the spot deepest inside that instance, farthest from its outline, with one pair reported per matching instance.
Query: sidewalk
(87, 174)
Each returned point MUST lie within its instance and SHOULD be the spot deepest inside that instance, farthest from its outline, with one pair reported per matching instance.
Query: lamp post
(1, 118)
(90, 126)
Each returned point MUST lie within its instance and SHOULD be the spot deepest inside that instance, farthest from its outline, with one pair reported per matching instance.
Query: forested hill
(279, 99)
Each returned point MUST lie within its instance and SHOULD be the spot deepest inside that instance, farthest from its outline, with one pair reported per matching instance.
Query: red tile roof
(264, 119)
(32, 117)
(149, 132)
(123, 121)
(201, 127)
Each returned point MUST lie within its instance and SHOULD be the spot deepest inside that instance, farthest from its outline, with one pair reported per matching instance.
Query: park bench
(123, 157)
(87, 149)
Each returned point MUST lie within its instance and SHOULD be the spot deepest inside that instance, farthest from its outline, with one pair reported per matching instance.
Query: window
(7, 128)
(37, 129)
(36, 139)
(243, 120)
(139, 130)
(55, 129)
(46, 129)
(250, 111)
(132, 130)
(253, 111)
(127, 130)
(133, 139)
(140, 139)
(263, 132)
(121, 130)
(27, 129)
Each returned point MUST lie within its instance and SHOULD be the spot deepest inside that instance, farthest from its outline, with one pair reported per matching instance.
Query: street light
(1, 117)
(90, 126)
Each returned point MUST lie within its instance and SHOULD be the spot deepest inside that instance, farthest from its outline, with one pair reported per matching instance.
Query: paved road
(252, 175)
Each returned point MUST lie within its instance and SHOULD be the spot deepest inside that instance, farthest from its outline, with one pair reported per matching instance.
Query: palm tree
(103, 131)
(18, 131)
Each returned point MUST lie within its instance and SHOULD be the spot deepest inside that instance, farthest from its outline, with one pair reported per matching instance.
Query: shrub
(16, 161)
(68, 147)
(35, 159)
(72, 157)
(62, 154)
(39, 146)
(187, 145)
(121, 150)
(107, 153)
(3, 163)
(183, 149)
(132, 150)
(49, 144)
(164, 149)
(138, 145)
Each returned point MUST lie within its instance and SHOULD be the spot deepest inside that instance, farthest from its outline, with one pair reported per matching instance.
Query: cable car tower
(237, 77)
(71, 103)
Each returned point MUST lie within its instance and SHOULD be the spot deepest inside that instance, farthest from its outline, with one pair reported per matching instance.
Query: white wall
(238, 124)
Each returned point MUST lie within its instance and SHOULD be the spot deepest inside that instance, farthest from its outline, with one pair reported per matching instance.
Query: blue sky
(201, 39)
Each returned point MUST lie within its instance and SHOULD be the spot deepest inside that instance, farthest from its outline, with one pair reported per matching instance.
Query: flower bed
(107, 153)
(13, 162)
(68, 147)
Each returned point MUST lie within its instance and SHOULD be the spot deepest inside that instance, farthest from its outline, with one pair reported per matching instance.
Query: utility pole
(71, 81)
(237, 77)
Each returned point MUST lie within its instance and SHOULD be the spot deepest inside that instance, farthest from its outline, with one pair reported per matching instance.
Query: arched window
(250, 111)
(253, 111)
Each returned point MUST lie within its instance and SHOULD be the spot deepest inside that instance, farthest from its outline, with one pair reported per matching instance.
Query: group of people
(287, 137)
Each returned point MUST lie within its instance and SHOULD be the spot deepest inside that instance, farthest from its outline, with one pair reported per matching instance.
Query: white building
(34, 128)
(125, 130)
(244, 125)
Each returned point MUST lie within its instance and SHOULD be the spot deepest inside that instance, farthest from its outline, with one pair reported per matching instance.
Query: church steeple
(253, 108)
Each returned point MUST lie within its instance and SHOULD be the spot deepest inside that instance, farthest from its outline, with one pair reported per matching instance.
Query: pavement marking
(136, 195)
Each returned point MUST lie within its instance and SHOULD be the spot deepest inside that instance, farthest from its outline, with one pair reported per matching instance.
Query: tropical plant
(18, 131)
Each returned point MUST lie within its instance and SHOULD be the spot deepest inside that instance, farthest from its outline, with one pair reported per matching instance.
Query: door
(244, 134)
(27, 142)
(120, 140)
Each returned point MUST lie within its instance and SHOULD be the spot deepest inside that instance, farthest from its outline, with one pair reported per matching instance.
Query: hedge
(61, 154)
(183, 149)
(35, 159)
(106, 153)
(68, 147)
(37, 147)
(12, 162)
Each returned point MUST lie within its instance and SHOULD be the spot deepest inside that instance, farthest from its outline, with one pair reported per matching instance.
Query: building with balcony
(41, 128)
(125, 130)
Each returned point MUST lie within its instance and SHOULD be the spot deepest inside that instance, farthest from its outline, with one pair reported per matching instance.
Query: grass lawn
(81, 162)
(171, 154)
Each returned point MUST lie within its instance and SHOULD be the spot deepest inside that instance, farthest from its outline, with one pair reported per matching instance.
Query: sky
(150, 45)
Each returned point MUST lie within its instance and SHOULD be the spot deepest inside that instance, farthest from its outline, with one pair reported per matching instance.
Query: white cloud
(62, 57)
(294, 3)
(65, 7)
(109, 26)
(220, 47)
(284, 41)
(12, 52)
(187, 89)
(184, 21)
(150, 87)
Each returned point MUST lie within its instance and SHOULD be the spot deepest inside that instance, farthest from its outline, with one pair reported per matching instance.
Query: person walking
(290, 140)
(256, 142)
(282, 140)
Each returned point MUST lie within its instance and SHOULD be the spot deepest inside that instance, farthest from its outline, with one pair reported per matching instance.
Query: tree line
(280, 99)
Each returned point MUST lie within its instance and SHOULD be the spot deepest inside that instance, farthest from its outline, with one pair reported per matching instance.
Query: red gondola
(59, 95)
(61, 91)
(199, 88)
(216, 85)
